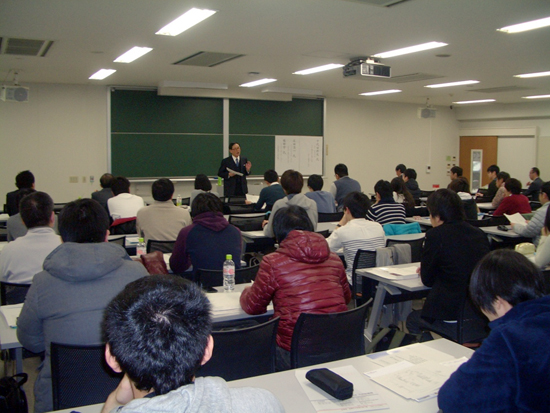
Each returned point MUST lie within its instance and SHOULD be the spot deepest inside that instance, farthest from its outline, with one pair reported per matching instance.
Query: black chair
(208, 279)
(330, 216)
(238, 209)
(121, 240)
(80, 375)
(11, 293)
(247, 223)
(123, 226)
(325, 233)
(162, 246)
(186, 201)
(416, 247)
(243, 353)
(320, 338)
(480, 223)
(363, 288)
(234, 200)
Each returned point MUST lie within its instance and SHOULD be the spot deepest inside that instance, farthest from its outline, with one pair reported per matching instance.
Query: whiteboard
(301, 153)
(517, 155)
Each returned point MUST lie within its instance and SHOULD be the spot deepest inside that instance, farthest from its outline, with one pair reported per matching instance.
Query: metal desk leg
(376, 311)
(19, 360)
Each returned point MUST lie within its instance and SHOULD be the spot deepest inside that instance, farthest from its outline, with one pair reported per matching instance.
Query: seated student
(402, 195)
(400, 170)
(501, 192)
(15, 227)
(452, 248)
(509, 372)
(410, 182)
(324, 200)
(202, 186)
(354, 232)
(302, 275)
(462, 189)
(162, 220)
(292, 183)
(343, 184)
(456, 172)
(532, 192)
(533, 227)
(23, 180)
(158, 332)
(542, 257)
(386, 210)
(514, 201)
(123, 204)
(205, 243)
(66, 301)
(106, 193)
(271, 193)
(492, 172)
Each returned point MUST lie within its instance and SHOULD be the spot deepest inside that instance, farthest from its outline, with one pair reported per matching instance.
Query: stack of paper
(396, 273)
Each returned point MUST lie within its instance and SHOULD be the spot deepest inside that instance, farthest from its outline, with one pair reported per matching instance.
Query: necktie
(237, 162)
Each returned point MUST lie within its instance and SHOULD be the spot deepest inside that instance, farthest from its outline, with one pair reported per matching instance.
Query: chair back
(241, 353)
(121, 240)
(80, 375)
(480, 223)
(363, 288)
(320, 338)
(208, 279)
(239, 208)
(11, 293)
(416, 247)
(330, 216)
(163, 246)
(247, 223)
(123, 226)
(325, 233)
(234, 200)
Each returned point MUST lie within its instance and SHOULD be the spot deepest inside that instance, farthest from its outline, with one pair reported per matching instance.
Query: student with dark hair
(542, 257)
(400, 170)
(456, 172)
(401, 194)
(386, 210)
(462, 188)
(532, 228)
(205, 243)
(302, 275)
(15, 226)
(410, 182)
(534, 185)
(492, 172)
(123, 204)
(325, 201)
(509, 372)
(66, 301)
(202, 186)
(234, 184)
(452, 248)
(162, 220)
(292, 183)
(106, 193)
(343, 185)
(23, 180)
(514, 201)
(158, 333)
(354, 231)
(271, 193)
(501, 192)
(21, 259)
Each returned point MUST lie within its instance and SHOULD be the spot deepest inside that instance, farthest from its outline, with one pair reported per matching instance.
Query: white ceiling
(279, 37)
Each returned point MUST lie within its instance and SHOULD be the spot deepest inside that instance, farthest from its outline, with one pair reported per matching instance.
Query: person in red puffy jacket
(301, 276)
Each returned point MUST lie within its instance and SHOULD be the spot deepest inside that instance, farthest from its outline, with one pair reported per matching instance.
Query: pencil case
(330, 382)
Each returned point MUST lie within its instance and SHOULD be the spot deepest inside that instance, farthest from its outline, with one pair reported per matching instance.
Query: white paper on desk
(410, 270)
(364, 397)
(388, 273)
(235, 172)
(516, 218)
(11, 314)
(415, 354)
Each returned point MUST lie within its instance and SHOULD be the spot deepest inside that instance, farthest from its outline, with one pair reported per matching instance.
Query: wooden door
(489, 146)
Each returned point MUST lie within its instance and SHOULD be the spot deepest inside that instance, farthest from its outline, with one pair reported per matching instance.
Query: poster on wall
(301, 153)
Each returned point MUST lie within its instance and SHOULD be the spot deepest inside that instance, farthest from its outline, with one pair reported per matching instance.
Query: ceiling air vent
(24, 47)
(500, 89)
(207, 59)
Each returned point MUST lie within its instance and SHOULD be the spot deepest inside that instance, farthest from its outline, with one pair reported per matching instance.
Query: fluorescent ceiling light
(380, 92)
(185, 21)
(102, 74)
(466, 102)
(463, 82)
(539, 74)
(523, 27)
(132, 54)
(536, 97)
(411, 49)
(317, 69)
(192, 85)
(258, 82)
(293, 91)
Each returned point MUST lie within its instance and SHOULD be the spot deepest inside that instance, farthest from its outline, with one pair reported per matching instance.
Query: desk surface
(486, 206)
(321, 226)
(411, 284)
(287, 389)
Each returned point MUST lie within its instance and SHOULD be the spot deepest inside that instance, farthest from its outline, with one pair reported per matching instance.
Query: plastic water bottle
(178, 200)
(140, 247)
(228, 274)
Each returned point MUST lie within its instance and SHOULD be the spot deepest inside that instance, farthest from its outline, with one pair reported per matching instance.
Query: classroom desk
(386, 285)
(486, 206)
(225, 307)
(287, 389)
(405, 237)
(423, 221)
(321, 226)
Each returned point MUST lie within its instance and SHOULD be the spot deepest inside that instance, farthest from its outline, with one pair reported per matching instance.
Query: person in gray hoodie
(157, 332)
(66, 301)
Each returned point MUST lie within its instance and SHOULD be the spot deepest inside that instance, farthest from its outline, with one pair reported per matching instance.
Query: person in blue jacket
(510, 372)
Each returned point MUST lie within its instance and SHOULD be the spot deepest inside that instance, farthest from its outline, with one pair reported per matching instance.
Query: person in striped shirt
(386, 210)
(354, 232)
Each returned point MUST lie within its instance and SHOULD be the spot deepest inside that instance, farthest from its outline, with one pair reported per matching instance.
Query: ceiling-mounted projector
(366, 68)
(14, 93)
(426, 113)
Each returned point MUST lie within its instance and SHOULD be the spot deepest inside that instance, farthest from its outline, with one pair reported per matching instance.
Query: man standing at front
(234, 170)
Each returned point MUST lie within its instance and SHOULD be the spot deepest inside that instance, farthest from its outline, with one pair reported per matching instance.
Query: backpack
(12, 396)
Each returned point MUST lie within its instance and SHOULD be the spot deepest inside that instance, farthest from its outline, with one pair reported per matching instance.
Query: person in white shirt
(354, 231)
(123, 204)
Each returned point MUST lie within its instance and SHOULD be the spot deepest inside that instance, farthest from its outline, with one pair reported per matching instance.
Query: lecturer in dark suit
(234, 185)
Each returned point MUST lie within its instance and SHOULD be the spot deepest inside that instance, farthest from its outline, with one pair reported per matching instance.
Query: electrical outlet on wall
(92, 179)
(83, 179)
(428, 169)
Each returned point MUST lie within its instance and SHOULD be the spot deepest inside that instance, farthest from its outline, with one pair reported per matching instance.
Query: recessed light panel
(380, 92)
(523, 27)
(462, 82)
(410, 49)
(258, 82)
(467, 102)
(536, 97)
(132, 54)
(102, 74)
(528, 75)
(318, 69)
(185, 21)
